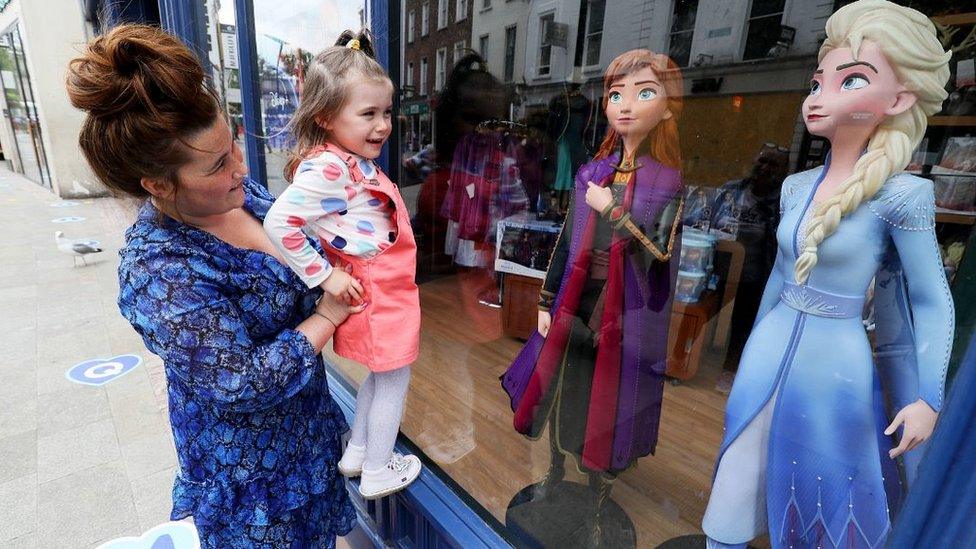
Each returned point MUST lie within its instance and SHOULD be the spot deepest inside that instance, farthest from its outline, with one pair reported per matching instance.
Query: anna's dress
(599, 374)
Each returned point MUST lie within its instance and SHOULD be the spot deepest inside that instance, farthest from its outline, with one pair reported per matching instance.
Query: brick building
(435, 33)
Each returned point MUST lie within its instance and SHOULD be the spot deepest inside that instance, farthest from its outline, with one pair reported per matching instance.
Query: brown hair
(145, 93)
(327, 84)
(662, 143)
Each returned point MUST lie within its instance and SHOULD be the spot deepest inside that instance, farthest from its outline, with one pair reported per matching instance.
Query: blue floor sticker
(169, 535)
(100, 371)
(65, 204)
(69, 219)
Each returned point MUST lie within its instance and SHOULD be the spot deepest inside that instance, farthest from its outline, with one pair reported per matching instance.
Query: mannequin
(807, 453)
(594, 371)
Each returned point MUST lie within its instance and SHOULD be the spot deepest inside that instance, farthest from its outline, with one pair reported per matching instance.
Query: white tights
(379, 408)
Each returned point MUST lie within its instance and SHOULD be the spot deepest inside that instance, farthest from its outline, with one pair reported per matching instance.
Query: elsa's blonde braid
(909, 42)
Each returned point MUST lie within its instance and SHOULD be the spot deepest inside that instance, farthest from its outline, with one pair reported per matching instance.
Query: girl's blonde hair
(662, 142)
(329, 80)
(909, 42)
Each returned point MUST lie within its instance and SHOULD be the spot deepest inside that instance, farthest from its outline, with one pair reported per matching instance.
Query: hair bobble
(353, 44)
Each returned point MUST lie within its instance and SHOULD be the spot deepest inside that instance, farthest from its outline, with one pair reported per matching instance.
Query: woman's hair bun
(134, 68)
(364, 37)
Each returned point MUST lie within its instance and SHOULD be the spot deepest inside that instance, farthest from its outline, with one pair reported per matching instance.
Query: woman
(256, 431)
(807, 454)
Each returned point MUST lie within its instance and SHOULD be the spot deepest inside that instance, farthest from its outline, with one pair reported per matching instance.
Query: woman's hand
(342, 286)
(919, 421)
(598, 197)
(545, 321)
(336, 311)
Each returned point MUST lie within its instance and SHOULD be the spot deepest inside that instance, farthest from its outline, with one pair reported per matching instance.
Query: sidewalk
(81, 465)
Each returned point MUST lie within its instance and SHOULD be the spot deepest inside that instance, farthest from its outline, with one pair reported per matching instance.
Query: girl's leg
(351, 463)
(385, 412)
(364, 399)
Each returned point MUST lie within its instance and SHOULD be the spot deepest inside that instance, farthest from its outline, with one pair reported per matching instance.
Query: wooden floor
(458, 414)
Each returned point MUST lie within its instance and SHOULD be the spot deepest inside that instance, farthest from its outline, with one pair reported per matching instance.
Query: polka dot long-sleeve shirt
(330, 198)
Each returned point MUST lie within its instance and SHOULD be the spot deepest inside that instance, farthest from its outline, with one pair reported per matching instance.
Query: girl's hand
(342, 286)
(598, 197)
(545, 321)
(919, 421)
(336, 311)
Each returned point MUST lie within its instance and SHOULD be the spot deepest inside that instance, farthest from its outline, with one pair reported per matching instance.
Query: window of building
(545, 43)
(594, 32)
(483, 46)
(440, 69)
(460, 10)
(763, 28)
(411, 20)
(425, 19)
(682, 31)
(408, 80)
(458, 52)
(423, 76)
(441, 14)
(485, 4)
(510, 35)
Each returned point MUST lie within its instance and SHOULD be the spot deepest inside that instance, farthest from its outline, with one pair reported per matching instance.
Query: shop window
(488, 171)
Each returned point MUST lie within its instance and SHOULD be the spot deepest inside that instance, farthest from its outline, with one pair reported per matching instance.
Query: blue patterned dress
(257, 433)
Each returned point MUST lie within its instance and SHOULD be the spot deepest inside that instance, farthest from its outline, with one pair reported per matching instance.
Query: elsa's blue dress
(256, 430)
(804, 456)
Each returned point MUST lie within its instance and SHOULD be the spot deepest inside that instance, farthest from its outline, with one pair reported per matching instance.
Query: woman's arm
(197, 329)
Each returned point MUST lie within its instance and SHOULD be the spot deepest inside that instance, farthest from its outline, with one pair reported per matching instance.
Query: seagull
(75, 248)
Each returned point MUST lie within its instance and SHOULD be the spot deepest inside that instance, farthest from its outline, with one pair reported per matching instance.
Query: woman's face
(636, 104)
(853, 96)
(211, 182)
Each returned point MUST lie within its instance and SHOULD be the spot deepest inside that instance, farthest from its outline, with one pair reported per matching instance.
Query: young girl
(338, 194)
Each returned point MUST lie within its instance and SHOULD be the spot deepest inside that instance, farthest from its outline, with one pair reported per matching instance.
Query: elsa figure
(807, 454)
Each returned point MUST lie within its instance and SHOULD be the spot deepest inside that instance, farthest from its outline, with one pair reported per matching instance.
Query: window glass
(673, 331)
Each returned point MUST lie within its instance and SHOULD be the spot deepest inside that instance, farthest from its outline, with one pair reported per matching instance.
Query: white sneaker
(398, 473)
(351, 464)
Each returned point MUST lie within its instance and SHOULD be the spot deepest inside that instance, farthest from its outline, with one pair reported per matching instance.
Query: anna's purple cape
(647, 290)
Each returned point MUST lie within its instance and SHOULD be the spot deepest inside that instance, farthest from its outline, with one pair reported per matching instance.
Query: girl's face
(364, 122)
(636, 103)
(853, 96)
(211, 182)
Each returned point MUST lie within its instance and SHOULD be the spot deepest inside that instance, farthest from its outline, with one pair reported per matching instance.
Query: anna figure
(807, 453)
(594, 372)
